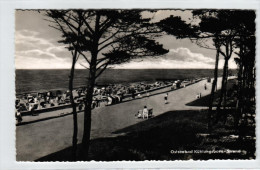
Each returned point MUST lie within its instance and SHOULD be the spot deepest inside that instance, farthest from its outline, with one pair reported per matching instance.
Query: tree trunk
(244, 77)
(253, 82)
(74, 111)
(214, 85)
(90, 89)
(225, 92)
(239, 95)
(223, 89)
(87, 111)
(87, 120)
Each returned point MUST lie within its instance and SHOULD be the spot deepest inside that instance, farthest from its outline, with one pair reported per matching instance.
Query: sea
(28, 81)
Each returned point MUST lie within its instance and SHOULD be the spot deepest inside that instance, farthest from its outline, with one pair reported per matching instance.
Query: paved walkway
(39, 139)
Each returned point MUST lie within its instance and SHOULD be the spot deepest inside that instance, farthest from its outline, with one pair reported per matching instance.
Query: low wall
(39, 111)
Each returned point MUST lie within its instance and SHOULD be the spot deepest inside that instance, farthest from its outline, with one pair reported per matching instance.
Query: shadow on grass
(157, 138)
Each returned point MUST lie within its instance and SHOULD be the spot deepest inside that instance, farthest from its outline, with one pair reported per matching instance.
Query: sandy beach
(36, 140)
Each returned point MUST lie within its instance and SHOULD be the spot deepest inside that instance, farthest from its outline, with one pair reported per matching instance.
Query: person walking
(166, 98)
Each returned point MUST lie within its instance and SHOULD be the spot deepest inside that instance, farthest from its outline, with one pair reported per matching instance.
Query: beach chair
(198, 96)
(109, 100)
(150, 112)
(139, 114)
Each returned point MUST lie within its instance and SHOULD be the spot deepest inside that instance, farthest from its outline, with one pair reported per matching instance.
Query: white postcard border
(7, 81)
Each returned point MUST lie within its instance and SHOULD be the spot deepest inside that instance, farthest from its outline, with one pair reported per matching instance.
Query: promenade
(35, 140)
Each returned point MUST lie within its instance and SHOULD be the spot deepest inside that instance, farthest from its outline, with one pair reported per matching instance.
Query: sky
(36, 47)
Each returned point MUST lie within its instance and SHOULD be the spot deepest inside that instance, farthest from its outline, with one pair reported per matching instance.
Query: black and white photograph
(140, 84)
(135, 84)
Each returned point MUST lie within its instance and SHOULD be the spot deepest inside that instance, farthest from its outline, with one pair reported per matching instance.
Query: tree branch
(102, 70)
(221, 52)
(109, 37)
(84, 66)
(85, 57)
(88, 26)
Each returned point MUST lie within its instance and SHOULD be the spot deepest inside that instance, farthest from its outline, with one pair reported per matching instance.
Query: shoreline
(98, 85)
(46, 80)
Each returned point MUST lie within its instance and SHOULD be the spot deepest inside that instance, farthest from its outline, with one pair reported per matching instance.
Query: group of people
(127, 88)
(108, 95)
(144, 113)
(114, 92)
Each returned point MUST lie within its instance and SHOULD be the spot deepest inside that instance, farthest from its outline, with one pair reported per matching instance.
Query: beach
(36, 140)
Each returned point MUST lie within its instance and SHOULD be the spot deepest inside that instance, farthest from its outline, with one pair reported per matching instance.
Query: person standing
(133, 94)
(18, 115)
(166, 98)
(93, 105)
(97, 102)
(33, 110)
(145, 112)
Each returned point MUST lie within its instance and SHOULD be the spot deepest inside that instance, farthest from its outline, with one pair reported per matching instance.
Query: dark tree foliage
(173, 25)
(220, 30)
(245, 42)
(206, 29)
(224, 26)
